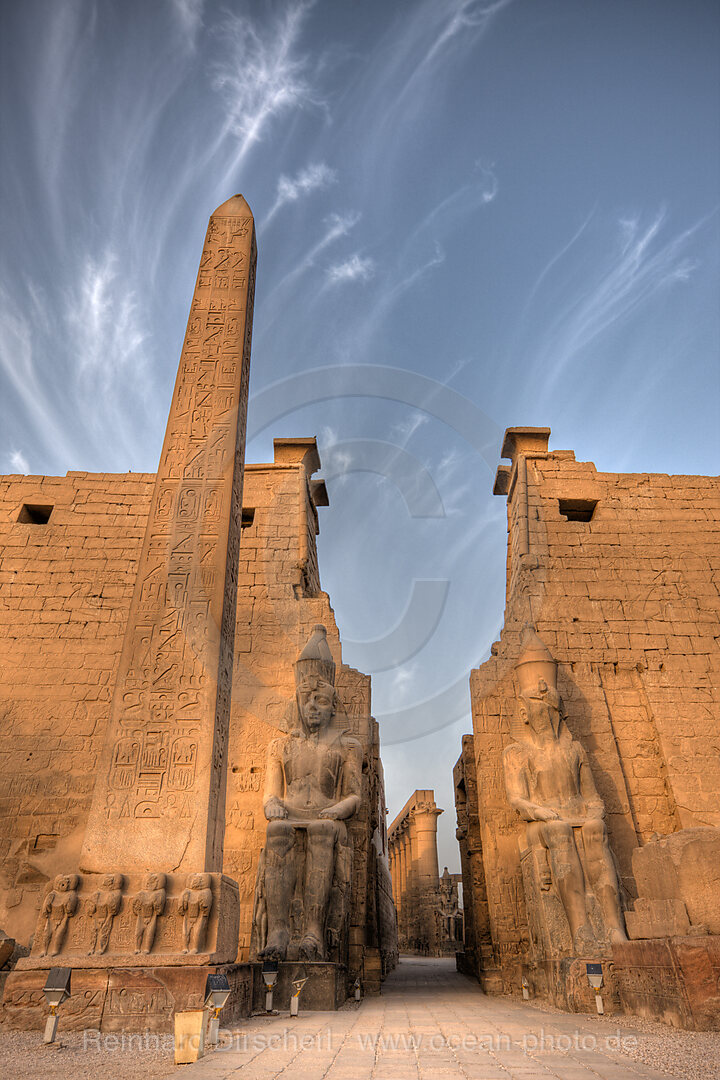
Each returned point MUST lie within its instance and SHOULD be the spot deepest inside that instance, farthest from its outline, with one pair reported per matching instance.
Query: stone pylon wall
(68, 586)
(619, 576)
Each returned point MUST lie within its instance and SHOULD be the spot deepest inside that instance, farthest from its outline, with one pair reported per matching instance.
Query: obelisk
(159, 795)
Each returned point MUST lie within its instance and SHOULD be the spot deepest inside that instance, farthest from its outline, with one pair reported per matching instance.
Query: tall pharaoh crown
(316, 658)
(535, 663)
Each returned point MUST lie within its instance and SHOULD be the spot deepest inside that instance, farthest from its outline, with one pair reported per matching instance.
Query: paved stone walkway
(428, 1024)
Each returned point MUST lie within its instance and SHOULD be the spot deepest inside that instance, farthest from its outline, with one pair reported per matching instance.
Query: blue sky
(472, 214)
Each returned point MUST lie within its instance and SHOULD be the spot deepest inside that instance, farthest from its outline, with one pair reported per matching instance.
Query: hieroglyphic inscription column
(159, 795)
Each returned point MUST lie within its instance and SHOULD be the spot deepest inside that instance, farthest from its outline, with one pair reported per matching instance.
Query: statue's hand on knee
(543, 813)
(275, 809)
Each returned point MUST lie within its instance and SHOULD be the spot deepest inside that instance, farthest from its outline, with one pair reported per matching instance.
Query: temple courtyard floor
(428, 1024)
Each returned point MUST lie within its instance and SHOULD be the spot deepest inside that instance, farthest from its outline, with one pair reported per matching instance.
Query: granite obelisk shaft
(159, 794)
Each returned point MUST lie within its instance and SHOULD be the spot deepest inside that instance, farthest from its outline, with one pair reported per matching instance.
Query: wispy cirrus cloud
(106, 335)
(356, 268)
(20, 367)
(489, 185)
(189, 14)
(422, 39)
(462, 17)
(315, 177)
(639, 267)
(264, 75)
(18, 462)
(336, 226)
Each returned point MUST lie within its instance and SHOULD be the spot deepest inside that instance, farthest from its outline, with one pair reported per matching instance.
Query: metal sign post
(295, 999)
(595, 978)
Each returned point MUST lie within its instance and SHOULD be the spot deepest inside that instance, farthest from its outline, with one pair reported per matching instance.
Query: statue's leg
(103, 935)
(198, 932)
(59, 935)
(149, 934)
(536, 842)
(47, 937)
(279, 886)
(567, 874)
(319, 867)
(603, 876)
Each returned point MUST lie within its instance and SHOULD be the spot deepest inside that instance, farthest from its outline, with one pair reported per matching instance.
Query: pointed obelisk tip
(235, 205)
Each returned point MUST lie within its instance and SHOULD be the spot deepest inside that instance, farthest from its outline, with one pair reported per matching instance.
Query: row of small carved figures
(61, 903)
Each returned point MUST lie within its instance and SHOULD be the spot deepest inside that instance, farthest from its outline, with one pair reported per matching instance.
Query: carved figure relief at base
(195, 906)
(104, 906)
(313, 785)
(59, 905)
(549, 783)
(147, 905)
(115, 919)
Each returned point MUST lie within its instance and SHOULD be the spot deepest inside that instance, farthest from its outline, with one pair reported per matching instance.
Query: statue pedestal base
(326, 988)
(674, 979)
(549, 929)
(565, 983)
(115, 999)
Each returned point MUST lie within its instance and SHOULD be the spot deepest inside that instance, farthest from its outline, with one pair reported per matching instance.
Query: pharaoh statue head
(199, 881)
(315, 683)
(540, 703)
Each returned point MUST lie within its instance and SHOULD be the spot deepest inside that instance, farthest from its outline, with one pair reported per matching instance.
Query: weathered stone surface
(412, 839)
(600, 564)
(24, 1006)
(326, 987)
(312, 788)
(567, 857)
(69, 592)
(157, 919)
(124, 999)
(160, 793)
(450, 916)
(7, 947)
(682, 869)
(672, 979)
(279, 601)
(657, 919)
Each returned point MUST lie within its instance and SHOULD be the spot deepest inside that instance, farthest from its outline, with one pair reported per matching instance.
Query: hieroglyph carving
(167, 736)
(312, 788)
(550, 785)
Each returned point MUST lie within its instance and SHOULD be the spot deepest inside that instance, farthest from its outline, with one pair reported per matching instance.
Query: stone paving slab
(431, 1023)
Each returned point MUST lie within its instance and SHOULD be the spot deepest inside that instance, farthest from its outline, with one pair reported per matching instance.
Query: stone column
(160, 789)
(425, 829)
(393, 879)
(406, 895)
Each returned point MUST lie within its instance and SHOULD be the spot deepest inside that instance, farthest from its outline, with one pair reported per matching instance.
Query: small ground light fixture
(357, 988)
(595, 978)
(269, 974)
(56, 989)
(295, 999)
(217, 991)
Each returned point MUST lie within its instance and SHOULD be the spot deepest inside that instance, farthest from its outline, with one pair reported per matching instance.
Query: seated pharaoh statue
(549, 783)
(312, 787)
